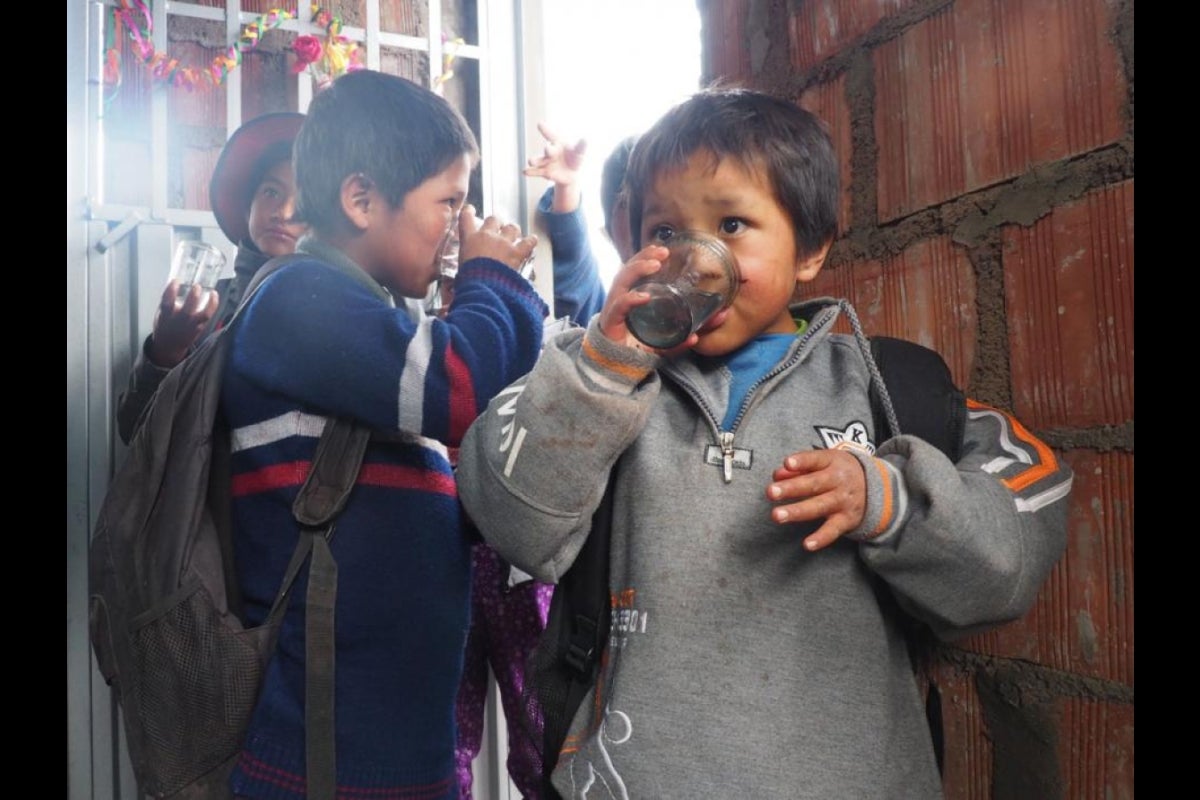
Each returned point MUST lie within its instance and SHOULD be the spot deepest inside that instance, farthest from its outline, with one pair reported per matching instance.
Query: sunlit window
(612, 68)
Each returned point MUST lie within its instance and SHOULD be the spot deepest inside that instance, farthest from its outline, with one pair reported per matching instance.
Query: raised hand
(560, 163)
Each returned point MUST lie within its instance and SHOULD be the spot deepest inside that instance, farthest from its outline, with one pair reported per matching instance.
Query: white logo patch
(854, 434)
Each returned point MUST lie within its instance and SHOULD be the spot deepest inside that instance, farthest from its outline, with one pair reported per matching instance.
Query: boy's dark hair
(612, 176)
(790, 145)
(391, 130)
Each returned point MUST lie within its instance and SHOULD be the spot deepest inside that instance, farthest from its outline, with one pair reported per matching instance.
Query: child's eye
(270, 192)
(732, 225)
(661, 233)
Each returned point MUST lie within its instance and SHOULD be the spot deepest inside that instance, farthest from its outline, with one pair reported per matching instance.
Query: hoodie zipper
(725, 439)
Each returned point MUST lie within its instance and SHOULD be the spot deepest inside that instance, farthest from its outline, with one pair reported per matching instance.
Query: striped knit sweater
(323, 338)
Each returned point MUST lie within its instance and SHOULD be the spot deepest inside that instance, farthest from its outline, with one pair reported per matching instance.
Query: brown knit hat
(239, 170)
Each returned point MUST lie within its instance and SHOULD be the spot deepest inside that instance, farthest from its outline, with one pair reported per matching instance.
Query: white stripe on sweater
(297, 423)
(269, 431)
(411, 400)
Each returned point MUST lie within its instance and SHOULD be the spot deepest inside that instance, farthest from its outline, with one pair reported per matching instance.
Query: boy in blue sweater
(761, 525)
(382, 169)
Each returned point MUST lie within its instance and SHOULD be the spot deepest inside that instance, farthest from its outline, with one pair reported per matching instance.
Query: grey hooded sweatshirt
(739, 664)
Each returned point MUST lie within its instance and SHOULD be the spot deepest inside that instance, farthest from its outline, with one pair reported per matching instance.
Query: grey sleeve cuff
(887, 499)
(614, 366)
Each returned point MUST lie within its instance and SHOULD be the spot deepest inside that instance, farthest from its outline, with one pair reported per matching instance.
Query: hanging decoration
(326, 60)
(134, 16)
(449, 53)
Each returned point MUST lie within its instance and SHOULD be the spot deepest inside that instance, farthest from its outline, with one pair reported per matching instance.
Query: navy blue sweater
(320, 340)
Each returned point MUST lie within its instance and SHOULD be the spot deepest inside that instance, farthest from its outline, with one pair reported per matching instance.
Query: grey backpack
(163, 597)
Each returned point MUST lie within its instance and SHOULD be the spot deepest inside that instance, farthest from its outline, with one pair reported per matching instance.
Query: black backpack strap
(577, 627)
(221, 473)
(929, 405)
(322, 497)
(923, 394)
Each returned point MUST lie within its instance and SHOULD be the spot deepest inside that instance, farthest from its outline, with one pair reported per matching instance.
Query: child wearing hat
(252, 194)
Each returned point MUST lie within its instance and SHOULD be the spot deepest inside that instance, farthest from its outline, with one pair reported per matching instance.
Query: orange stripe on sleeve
(888, 501)
(631, 372)
(1047, 463)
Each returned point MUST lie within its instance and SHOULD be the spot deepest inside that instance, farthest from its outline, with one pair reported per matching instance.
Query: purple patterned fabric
(506, 622)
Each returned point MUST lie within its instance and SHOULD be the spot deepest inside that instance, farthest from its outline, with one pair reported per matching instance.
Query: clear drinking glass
(196, 262)
(442, 291)
(699, 278)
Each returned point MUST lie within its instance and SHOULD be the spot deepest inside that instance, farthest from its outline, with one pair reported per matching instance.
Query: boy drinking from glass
(751, 653)
(382, 168)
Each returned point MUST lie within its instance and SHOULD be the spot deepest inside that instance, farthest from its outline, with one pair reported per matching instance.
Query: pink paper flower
(308, 49)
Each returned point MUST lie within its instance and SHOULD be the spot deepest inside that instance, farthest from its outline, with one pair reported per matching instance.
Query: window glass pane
(460, 19)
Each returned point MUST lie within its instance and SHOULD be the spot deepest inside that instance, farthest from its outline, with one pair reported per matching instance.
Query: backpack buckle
(581, 648)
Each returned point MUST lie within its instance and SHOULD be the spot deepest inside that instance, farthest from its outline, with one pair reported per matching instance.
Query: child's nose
(287, 208)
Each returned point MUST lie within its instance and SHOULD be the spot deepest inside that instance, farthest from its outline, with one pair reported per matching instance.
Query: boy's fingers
(466, 221)
(166, 303)
(646, 262)
(824, 536)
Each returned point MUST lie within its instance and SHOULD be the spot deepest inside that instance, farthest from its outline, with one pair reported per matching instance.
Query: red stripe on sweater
(280, 476)
(407, 478)
(275, 476)
(463, 408)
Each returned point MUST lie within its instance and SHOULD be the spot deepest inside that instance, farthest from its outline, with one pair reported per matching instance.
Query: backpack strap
(922, 393)
(577, 627)
(221, 471)
(330, 479)
(927, 404)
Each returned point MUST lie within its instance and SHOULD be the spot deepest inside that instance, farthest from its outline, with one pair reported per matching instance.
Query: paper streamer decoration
(134, 16)
(329, 59)
(449, 53)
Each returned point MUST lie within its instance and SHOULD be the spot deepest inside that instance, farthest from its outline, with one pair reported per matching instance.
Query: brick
(828, 101)
(985, 90)
(402, 16)
(1069, 293)
(819, 29)
(1096, 749)
(967, 768)
(925, 294)
(408, 64)
(724, 50)
(1082, 621)
(351, 12)
(268, 84)
(198, 164)
(205, 105)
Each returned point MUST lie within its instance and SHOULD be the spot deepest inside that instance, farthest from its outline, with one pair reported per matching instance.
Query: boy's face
(404, 246)
(271, 208)
(737, 204)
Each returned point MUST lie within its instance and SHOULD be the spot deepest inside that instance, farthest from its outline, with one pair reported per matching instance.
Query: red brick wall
(986, 149)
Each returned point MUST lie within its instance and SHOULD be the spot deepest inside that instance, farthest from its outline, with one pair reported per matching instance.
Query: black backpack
(565, 664)
(163, 599)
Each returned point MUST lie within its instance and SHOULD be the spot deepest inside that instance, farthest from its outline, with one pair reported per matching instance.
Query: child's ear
(809, 264)
(357, 195)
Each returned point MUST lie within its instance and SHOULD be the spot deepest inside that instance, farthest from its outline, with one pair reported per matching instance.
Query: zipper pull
(726, 439)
